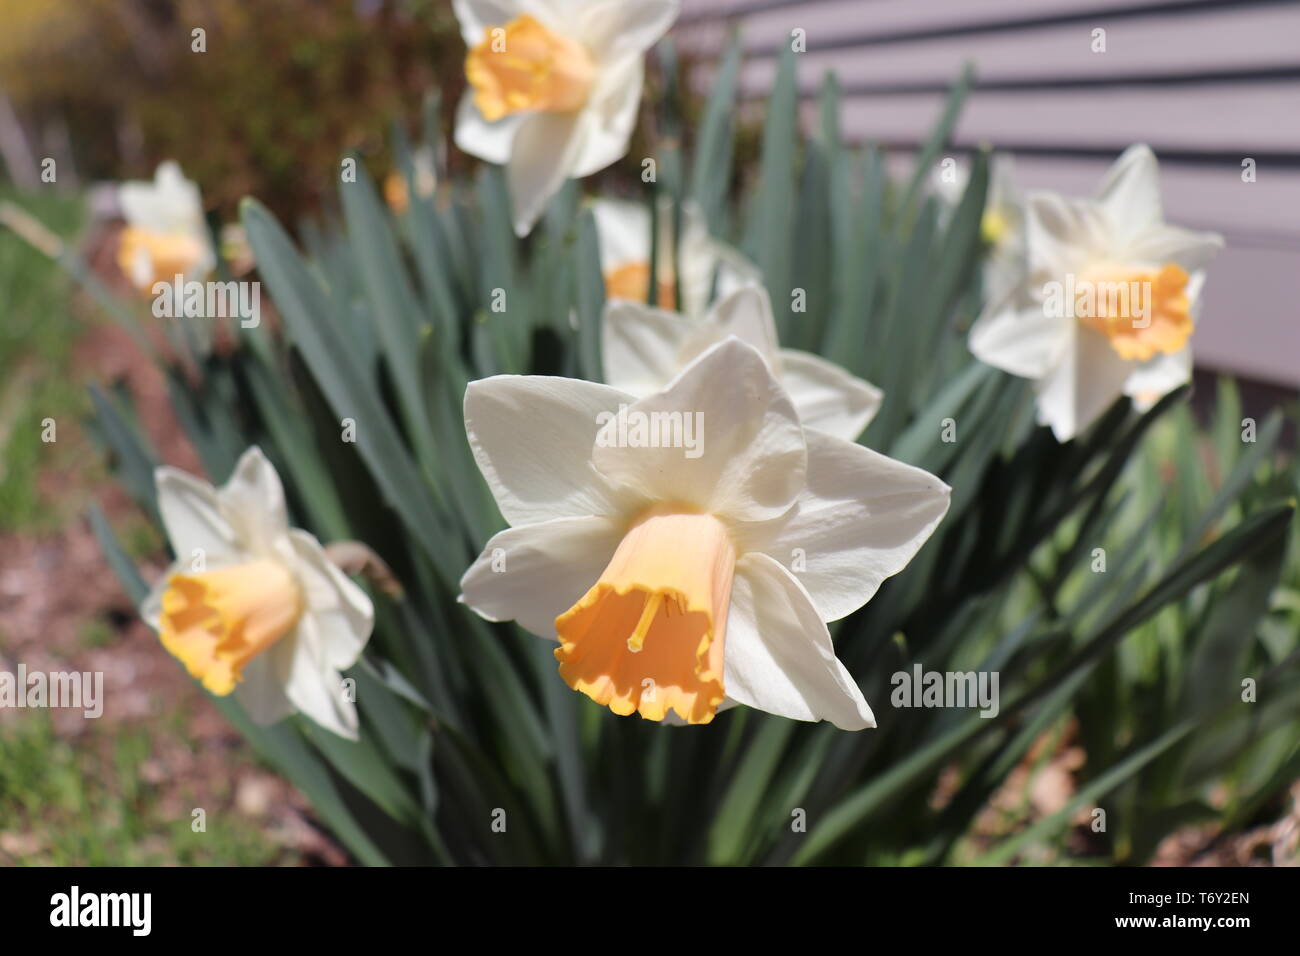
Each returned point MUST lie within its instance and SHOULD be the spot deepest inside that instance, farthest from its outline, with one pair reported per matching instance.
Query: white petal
(191, 514)
(492, 142)
(532, 436)
(612, 29)
(151, 606)
(545, 149)
(641, 346)
(826, 396)
(252, 500)
(779, 657)
(169, 179)
(738, 451)
(1005, 270)
(1195, 286)
(1191, 250)
(1025, 341)
(697, 261)
(747, 314)
(704, 262)
(1062, 235)
(344, 613)
(861, 519)
(1004, 190)
(208, 261)
(141, 270)
(608, 118)
(950, 190)
(534, 573)
(1153, 380)
(623, 230)
(1087, 380)
(734, 270)
(558, 16)
(476, 16)
(139, 206)
(168, 204)
(261, 692)
(1130, 193)
(315, 688)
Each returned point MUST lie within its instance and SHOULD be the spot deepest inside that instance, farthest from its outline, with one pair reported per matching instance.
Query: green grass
(97, 633)
(86, 803)
(83, 800)
(37, 337)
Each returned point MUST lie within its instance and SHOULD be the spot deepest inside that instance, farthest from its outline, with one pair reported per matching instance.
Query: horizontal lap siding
(1206, 83)
(890, 17)
(1238, 119)
(1249, 40)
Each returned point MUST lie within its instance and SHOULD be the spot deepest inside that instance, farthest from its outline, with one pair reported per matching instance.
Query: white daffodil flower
(425, 170)
(1109, 304)
(166, 234)
(554, 87)
(252, 605)
(644, 348)
(623, 231)
(686, 549)
(1002, 226)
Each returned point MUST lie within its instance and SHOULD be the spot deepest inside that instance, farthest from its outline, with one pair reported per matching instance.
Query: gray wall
(1206, 83)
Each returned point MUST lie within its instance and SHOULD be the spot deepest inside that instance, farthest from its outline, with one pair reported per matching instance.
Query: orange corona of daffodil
(1142, 312)
(631, 281)
(524, 66)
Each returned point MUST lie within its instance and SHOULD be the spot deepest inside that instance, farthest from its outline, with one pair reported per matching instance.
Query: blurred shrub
(282, 87)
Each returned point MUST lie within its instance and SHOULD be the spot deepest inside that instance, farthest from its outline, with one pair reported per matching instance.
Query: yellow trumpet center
(1141, 312)
(994, 227)
(215, 622)
(648, 636)
(147, 257)
(395, 193)
(632, 281)
(524, 66)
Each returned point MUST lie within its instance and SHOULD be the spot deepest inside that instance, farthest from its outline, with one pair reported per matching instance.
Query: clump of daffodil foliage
(447, 590)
